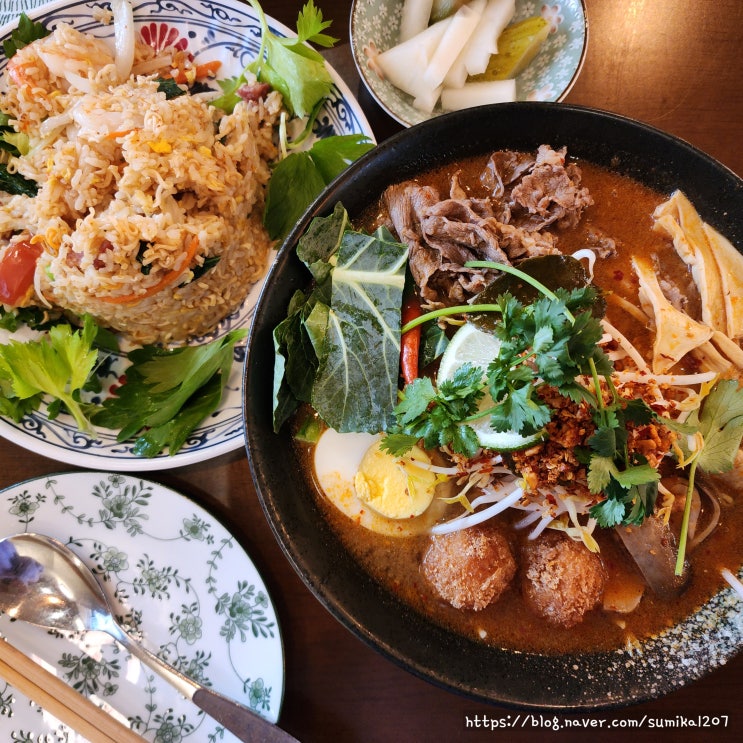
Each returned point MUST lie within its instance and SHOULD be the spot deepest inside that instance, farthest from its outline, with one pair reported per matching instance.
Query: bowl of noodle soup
(335, 556)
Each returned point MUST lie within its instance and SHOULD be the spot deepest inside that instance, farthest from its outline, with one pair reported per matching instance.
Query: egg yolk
(395, 487)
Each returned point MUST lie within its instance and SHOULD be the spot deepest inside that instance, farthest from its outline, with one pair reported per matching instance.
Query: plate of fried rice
(148, 214)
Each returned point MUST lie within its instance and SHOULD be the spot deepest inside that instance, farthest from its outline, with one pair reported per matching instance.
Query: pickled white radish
(402, 64)
(461, 27)
(484, 42)
(414, 18)
(478, 94)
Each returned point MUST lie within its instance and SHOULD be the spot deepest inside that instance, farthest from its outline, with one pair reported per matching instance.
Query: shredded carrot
(169, 278)
(197, 72)
(122, 133)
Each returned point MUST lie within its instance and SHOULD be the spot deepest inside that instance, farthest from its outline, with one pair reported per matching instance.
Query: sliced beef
(550, 192)
(526, 194)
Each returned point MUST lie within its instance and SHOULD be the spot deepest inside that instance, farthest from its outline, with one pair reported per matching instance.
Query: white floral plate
(549, 77)
(211, 29)
(178, 579)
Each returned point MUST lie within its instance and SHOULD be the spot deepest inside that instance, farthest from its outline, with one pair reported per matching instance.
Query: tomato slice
(17, 267)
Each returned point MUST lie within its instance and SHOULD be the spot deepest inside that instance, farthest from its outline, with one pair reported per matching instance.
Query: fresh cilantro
(167, 393)
(300, 177)
(26, 32)
(548, 340)
(434, 415)
(720, 423)
(719, 426)
(58, 364)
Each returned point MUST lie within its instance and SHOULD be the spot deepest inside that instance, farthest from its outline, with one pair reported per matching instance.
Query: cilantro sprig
(549, 342)
(718, 424)
(434, 414)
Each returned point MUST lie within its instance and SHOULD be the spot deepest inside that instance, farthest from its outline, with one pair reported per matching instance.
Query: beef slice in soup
(527, 195)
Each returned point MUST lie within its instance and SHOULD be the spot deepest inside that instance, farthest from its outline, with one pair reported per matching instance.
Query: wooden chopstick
(60, 699)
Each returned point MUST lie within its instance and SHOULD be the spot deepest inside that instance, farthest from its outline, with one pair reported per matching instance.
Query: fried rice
(149, 209)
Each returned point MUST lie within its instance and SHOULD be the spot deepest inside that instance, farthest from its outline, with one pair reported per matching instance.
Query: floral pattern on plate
(212, 29)
(178, 581)
(549, 77)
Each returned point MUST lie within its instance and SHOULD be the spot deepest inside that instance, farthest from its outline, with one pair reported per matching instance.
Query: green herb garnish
(26, 32)
(16, 183)
(58, 364)
(300, 177)
(719, 423)
(550, 341)
(168, 393)
(288, 65)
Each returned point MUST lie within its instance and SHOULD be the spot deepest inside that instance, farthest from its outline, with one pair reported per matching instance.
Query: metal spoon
(44, 583)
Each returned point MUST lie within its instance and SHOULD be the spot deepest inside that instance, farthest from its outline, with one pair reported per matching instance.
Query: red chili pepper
(410, 341)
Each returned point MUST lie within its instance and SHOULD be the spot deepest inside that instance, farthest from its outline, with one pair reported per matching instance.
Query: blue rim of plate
(549, 77)
(228, 30)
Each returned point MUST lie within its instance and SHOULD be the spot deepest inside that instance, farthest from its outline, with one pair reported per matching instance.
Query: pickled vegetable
(444, 8)
(517, 47)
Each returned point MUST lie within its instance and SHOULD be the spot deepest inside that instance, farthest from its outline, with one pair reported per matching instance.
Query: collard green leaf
(322, 240)
(356, 384)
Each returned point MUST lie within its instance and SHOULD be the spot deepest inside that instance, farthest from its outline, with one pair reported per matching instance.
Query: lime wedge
(479, 348)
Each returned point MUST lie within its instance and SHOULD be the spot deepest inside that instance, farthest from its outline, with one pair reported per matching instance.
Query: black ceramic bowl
(585, 681)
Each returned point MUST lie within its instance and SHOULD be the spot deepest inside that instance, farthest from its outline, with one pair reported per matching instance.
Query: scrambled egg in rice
(148, 213)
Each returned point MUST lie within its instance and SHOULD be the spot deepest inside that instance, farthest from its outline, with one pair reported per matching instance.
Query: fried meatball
(469, 568)
(561, 578)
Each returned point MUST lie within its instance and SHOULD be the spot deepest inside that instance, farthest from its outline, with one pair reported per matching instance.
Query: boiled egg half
(387, 494)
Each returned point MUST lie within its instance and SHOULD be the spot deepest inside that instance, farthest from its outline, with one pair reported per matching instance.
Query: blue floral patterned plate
(212, 29)
(549, 77)
(179, 581)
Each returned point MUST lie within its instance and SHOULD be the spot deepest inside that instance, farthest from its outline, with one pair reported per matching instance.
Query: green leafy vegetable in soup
(346, 331)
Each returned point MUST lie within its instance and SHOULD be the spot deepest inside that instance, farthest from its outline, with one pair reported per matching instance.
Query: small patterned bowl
(549, 77)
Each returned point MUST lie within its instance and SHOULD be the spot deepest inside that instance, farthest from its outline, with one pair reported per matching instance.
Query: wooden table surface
(675, 64)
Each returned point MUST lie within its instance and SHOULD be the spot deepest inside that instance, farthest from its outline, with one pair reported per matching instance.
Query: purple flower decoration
(15, 567)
